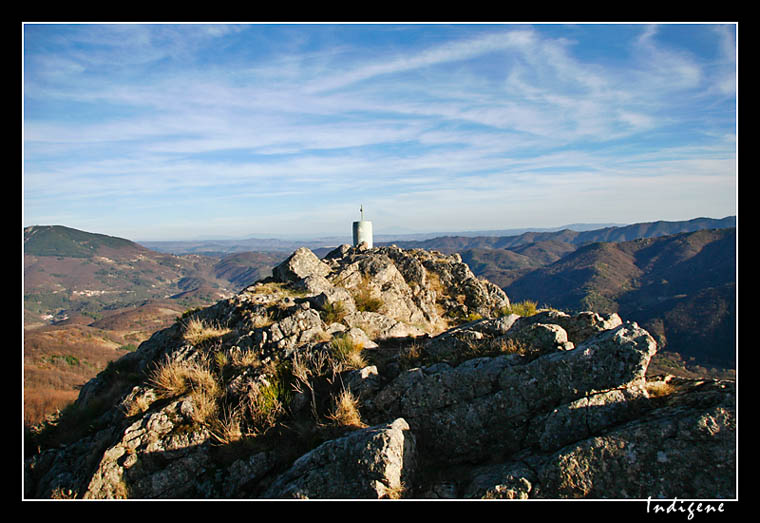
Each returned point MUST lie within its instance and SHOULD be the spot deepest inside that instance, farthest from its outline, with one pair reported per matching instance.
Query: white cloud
(435, 127)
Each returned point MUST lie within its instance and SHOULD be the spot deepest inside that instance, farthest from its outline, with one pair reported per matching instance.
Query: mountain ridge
(450, 244)
(648, 280)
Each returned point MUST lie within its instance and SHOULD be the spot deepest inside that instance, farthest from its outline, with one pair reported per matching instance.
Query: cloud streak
(166, 117)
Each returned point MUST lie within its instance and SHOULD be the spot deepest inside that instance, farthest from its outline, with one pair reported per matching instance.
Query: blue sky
(186, 131)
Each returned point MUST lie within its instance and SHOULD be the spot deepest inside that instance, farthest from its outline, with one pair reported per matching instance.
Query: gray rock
(376, 462)
(301, 327)
(299, 265)
(542, 337)
(685, 450)
(150, 460)
(471, 411)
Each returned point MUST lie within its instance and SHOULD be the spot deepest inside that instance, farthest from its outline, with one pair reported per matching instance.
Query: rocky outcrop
(376, 462)
(385, 373)
(660, 452)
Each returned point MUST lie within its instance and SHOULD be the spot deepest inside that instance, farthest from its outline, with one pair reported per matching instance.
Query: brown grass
(333, 312)
(41, 402)
(509, 346)
(411, 355)
(364, 298)
(245, 358)
(524, 308)
(263, 320)
(658, 389)
(434, 283)
(137, 405)
(346, 411)
(348, 352)
(227, 427)
(394, 492)
(266, 403)
(197, 331)
(174, 378)
(204, 406)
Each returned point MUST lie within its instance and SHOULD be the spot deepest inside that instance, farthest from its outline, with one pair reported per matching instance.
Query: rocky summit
(386, 373)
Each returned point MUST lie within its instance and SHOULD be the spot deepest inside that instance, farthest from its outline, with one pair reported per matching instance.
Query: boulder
(301, 264)
(375, 462)
(485, 406)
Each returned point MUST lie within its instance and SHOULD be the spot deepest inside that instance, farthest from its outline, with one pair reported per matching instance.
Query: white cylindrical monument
(362, 231)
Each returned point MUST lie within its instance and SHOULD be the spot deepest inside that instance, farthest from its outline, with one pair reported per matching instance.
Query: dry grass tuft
(267, 401)
(226, 428)
(333, 312)
(204, 406)
(61, 493)
(196, 331)
(263, 319)
(245, 358)
(346, 411)
(658, 389)
(510, 346)
(434, 283)
(394, 492)
(411, 355)
(175, 378)
(348, 352)
(524, 308)
(364, 297)
(137, 405)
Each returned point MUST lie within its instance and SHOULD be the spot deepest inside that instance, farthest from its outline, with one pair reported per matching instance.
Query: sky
(191, 131)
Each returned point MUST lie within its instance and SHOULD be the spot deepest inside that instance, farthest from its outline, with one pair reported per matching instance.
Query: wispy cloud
(470, 123)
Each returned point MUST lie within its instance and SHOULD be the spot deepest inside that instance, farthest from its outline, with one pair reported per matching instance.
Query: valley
(90, 298)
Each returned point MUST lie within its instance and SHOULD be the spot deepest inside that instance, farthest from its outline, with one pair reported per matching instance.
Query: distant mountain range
(458, 243)
(227, 246)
